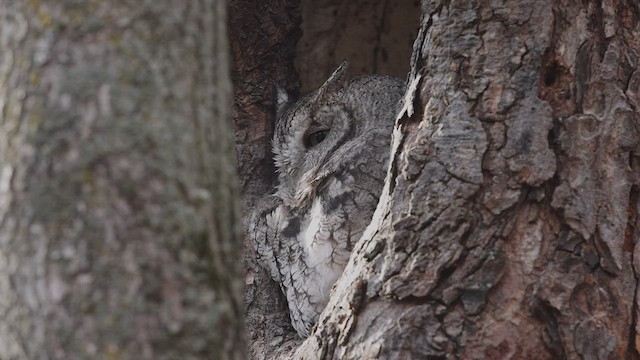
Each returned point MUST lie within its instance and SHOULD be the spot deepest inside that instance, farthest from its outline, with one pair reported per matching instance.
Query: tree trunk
(507, 228)
(119, 233)
(262, 37)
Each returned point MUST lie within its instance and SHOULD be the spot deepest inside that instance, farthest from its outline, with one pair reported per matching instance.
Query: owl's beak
(309, 185)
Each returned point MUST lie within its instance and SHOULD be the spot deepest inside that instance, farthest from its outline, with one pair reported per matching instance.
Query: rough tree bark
(263, 36)
(508, 226)
(119, 225)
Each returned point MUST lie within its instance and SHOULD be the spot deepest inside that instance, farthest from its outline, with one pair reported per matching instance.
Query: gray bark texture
(508, 224)
(119, 215)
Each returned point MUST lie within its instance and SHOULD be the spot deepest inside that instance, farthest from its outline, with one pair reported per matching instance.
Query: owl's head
(321, 133)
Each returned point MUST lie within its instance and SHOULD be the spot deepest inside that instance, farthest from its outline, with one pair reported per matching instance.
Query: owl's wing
(263, 232)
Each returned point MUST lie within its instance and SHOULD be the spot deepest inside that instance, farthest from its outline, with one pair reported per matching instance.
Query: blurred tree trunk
(119, 222)
(508, 226)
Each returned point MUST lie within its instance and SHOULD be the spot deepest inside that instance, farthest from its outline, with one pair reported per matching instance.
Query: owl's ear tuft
(282, 101)
(335, 81)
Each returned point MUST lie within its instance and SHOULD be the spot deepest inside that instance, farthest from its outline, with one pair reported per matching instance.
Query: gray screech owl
(331, 150)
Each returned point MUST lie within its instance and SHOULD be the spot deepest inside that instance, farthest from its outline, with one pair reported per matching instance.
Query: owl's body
(331, 150)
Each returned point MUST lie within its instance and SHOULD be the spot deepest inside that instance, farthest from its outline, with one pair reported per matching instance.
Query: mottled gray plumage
(331, 150)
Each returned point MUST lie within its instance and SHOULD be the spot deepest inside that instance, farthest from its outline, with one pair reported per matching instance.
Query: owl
(331, 150)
